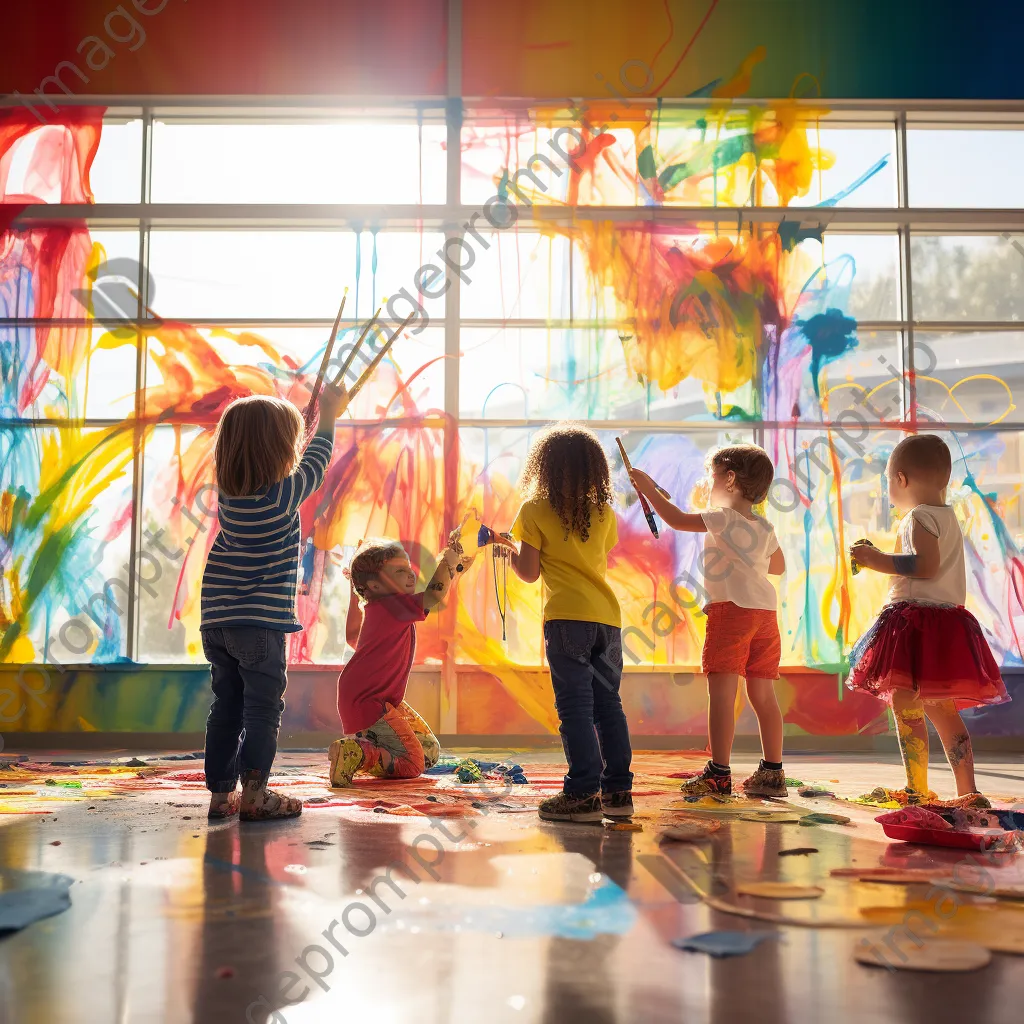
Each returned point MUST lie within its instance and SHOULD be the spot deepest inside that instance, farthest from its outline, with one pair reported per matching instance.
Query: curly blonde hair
(371, 557)
(567, 467)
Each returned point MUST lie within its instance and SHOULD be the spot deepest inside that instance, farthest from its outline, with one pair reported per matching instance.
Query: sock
(772, 766)
(719, 769)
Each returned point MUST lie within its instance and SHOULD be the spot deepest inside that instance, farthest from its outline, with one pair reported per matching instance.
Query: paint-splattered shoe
(565, 807)
(262, 804)
(708, 783)
(617, 805)
(770, 782)
(223, 805)
(346, 759)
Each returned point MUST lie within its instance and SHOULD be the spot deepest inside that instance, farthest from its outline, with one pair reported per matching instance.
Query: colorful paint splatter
(730, 330)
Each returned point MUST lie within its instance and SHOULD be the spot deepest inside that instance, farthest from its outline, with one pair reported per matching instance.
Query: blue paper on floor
(38, 894)
(721, 944)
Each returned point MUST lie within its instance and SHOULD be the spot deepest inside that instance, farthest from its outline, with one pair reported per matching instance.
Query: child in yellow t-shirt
(566, 527)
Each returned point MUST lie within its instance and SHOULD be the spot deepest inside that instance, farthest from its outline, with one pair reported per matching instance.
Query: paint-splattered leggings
(398, 745)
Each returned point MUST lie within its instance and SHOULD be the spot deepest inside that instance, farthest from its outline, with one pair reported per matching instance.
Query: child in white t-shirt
(740, 553)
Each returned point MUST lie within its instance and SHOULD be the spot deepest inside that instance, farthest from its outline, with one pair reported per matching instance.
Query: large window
(690, 277)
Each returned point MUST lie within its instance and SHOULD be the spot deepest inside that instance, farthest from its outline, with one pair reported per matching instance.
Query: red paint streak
(689, 45)
(668, 38)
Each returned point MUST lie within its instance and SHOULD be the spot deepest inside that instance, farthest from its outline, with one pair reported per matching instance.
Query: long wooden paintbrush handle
(625, 457)
(368, 372)
(648, 511)
(318, 384)
(340, 376)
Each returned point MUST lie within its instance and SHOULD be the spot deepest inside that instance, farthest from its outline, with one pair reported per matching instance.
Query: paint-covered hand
(333, 401)
(455, 541)
(865, 554)
(644, 484)
(503, 540)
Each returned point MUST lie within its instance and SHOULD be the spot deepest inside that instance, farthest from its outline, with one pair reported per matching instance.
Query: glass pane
(851, 167)
(116, 174)
(409, 381)
(969, 377)
(967, 277)
(858, 274)
(65, 494)
(680, 158)
(68, 371)
(281, 274)
(517, 274)
(38, 164)
(665, 633)
(383, 482)
(862, 384)
(298, 163)
(988, 503)
(523, 373)
(965, 167)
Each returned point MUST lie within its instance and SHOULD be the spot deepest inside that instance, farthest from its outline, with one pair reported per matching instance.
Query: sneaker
(766, 782)
(346, 759)
(708, 783)
(972, 801)
(617, 805)
(565, 807)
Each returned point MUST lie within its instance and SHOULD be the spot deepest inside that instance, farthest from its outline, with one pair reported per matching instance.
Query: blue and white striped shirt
(251, 574)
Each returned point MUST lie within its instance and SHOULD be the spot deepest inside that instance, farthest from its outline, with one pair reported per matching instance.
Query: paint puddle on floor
(542, 894)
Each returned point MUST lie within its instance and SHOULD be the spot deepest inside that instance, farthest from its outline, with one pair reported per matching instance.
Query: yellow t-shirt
(572, 570)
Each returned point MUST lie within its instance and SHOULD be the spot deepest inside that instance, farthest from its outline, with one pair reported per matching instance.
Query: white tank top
(949, 585)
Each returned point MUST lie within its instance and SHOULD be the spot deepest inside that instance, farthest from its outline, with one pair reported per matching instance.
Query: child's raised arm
(691, 522)
(448, 565)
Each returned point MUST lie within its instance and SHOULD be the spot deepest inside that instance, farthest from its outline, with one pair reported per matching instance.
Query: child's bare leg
(761, 694)
(956, 741)
(912, 730)
(722, 688)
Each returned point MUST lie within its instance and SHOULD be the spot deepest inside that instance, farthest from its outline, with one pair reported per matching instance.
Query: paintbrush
(648, 512)
(368, 372)
(318, 384)
(356, 347)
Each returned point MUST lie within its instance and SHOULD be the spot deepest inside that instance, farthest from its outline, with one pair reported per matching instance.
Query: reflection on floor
(443, 901)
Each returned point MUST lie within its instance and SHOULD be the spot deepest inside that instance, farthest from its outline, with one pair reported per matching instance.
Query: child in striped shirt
(248, 593)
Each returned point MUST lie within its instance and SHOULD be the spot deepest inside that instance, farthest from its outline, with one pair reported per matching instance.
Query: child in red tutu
(925, 654)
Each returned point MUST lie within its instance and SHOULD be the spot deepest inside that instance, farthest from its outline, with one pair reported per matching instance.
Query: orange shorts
(745, 641)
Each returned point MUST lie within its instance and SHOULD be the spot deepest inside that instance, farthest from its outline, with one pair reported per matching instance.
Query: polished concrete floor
(492, 917)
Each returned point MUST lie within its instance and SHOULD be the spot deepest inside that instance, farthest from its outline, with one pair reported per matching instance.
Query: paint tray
(960, 839)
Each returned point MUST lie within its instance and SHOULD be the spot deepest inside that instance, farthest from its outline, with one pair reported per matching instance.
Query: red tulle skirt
(937, 652)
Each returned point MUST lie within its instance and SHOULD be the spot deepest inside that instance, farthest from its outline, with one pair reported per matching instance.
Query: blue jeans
(586, 668)
(249, 677)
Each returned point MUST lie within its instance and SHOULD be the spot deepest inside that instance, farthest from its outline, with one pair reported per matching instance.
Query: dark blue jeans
(249, 677)
(586, 669)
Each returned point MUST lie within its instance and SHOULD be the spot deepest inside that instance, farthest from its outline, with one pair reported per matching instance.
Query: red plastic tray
(941, 837)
